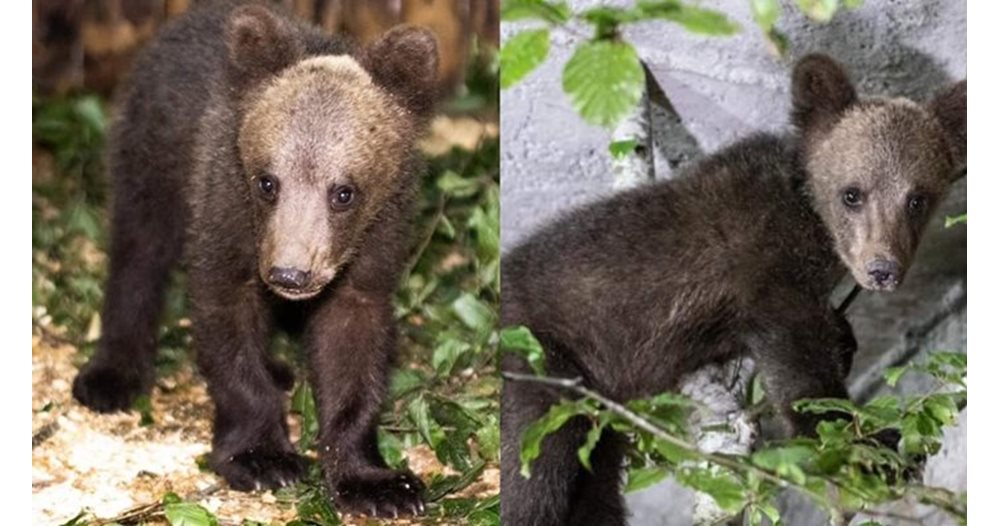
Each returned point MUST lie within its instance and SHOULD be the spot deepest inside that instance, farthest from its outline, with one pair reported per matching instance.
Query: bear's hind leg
(147, 234)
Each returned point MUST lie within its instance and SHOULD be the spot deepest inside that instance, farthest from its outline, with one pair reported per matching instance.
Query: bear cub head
(326, 142)
(876, 167)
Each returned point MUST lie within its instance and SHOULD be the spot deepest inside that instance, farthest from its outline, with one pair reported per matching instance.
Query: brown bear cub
(738, 256)
(282, 162)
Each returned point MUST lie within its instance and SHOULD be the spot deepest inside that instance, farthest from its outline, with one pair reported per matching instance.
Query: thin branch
(576, 385)
(844, 305)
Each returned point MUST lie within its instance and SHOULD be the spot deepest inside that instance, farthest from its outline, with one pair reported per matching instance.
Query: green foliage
(604, 78)
(951, 221)
(622, 149)
(845, 468)
(521, 54)
(519, 340)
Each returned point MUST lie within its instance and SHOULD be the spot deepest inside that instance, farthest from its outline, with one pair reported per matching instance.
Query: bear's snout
(884, 274)
(288, 278)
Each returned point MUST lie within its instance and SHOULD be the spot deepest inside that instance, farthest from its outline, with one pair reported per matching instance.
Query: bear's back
(672, 261)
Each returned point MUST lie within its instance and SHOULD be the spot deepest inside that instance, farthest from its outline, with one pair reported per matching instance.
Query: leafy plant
(845, 468)
(604, 78)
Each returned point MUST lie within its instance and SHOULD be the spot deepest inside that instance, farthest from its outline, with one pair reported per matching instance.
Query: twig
(154, 509)
(844, 305)
(45, 433)
(576, 385)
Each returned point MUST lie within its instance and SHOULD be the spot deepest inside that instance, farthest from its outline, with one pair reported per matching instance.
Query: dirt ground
(112, 466)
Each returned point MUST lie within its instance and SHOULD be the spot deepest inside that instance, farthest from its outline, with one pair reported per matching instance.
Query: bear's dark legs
(147, 234)
(802, 352)
(546, 498)
(250, 446)
(351, 338)
(598, 499)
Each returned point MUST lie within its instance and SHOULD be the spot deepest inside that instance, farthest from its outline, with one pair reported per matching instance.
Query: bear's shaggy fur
(282, 163)
(736, 257)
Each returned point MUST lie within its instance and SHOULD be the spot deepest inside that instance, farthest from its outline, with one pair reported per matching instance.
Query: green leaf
(694, 19)
(531, 439)
(893, 374)
(304, 404)
(604, 81)
(786, 461)
(593, 436)
(551, 12)
(79, 520)
(188, 514)
(144, 406)
(951, 221)
(725, 488)
(818, 10)
(852, 4)
(622, 149)
(521, 54)
(641, 478)
(473, 313)
(519, 340)
(446, 354)
(765, 13)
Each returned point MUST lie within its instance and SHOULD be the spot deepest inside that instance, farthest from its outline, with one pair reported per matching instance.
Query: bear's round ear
(260, 44)
(821, 91)
(948, 107)
(404, 62)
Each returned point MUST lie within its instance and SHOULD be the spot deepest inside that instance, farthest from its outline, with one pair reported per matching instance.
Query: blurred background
(147, 466)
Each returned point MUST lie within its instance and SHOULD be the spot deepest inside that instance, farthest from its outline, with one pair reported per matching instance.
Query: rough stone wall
(718, 90)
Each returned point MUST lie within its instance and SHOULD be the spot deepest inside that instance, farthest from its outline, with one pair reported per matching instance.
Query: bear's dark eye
(268, 187)
(852, 197)
(343, 196)
(916, 203)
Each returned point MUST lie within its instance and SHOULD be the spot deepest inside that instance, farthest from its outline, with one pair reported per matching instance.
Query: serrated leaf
(551, 12)
(641, 478)
(519, 340)
(604, 81)
(521, 54)
(818, 10)
(188, 514)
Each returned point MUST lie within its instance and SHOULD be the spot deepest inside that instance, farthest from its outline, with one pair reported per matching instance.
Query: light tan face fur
(320, 125)
(890, 151)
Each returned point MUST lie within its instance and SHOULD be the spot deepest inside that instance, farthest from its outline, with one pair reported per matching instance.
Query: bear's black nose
(289, 278)
(884, 273)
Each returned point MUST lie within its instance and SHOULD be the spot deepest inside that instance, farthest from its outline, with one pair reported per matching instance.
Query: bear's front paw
(380, 493)
(262, 468)
(106, 389)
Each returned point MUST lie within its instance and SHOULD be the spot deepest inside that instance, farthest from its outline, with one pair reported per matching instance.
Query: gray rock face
(717, 90)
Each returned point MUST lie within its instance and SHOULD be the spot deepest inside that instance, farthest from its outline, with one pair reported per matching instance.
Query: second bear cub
(736, 257)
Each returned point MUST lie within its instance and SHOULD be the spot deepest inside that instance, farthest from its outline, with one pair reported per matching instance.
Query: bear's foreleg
(351, 341)
(250, 446)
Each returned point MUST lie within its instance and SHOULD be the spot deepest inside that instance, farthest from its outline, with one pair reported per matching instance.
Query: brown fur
(737, 256)
(230, 93)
